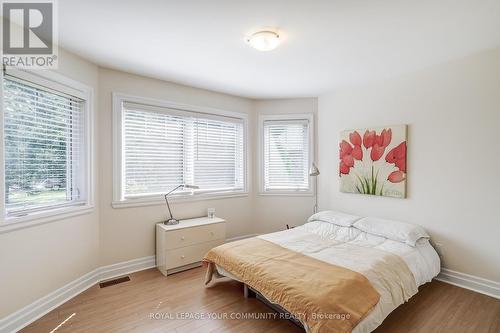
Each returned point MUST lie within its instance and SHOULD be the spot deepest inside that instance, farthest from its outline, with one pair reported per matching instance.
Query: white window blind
(163, 148)
(43, 138)
(217, 154)
(286, 155)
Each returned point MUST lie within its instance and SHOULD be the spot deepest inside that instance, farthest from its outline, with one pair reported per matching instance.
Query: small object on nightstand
(211, 213)
(182, 246)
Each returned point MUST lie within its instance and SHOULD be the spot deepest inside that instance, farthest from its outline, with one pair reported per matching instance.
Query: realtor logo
(28, 38)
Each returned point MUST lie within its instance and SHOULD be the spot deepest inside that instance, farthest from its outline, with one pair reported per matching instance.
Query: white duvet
(422, 260)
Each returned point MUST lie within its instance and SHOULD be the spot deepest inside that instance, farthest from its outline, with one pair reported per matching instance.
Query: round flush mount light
(265, 40)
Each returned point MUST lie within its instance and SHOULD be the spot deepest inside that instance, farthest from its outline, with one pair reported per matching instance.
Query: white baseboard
(126, 267)
(240, 237)
(25, 316)
(471, 282)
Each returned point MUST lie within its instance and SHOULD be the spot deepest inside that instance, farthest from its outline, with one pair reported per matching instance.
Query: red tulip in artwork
(369, 138)
(355, 139)
(398, 156)
(396, 176)
(384, 161)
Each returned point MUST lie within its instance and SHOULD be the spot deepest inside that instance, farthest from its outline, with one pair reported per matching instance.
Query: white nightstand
(182, 246)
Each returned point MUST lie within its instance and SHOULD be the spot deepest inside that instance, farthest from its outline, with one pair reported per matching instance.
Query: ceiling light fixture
(264, 40)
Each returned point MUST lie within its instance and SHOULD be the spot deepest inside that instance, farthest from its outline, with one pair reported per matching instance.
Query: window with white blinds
(163, 148)
(43, 133)
(286, 154)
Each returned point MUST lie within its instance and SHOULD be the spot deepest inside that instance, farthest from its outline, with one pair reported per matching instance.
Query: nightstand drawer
(189, 254)
(196, 235)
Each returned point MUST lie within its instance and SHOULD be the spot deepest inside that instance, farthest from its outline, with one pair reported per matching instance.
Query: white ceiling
(325, 44)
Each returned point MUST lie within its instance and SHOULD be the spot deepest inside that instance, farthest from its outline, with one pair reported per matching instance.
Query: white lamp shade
(313, 170)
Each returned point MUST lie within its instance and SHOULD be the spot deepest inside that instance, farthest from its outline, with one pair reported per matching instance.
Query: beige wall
(38, 260)
(273, 212)
(128, 233)
(453, 113)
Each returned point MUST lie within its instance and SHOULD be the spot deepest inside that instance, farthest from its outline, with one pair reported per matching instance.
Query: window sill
(30, 220)
(287, 193)
(156, 201)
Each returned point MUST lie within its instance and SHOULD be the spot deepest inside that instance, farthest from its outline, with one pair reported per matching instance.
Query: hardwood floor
(129, 306)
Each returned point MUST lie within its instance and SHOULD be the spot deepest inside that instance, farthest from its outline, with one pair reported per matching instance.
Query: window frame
(309, 117)
(119, 201)
(59, 83)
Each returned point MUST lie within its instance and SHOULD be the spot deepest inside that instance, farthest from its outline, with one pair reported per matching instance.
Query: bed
(360, 266)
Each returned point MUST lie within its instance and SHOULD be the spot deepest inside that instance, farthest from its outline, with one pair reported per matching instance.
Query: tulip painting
(373, 161)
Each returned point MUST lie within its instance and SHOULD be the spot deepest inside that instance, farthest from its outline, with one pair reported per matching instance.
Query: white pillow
(399, 231)
(338, 218)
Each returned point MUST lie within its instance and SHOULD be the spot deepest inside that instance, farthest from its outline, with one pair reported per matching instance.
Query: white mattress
(422, 260)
